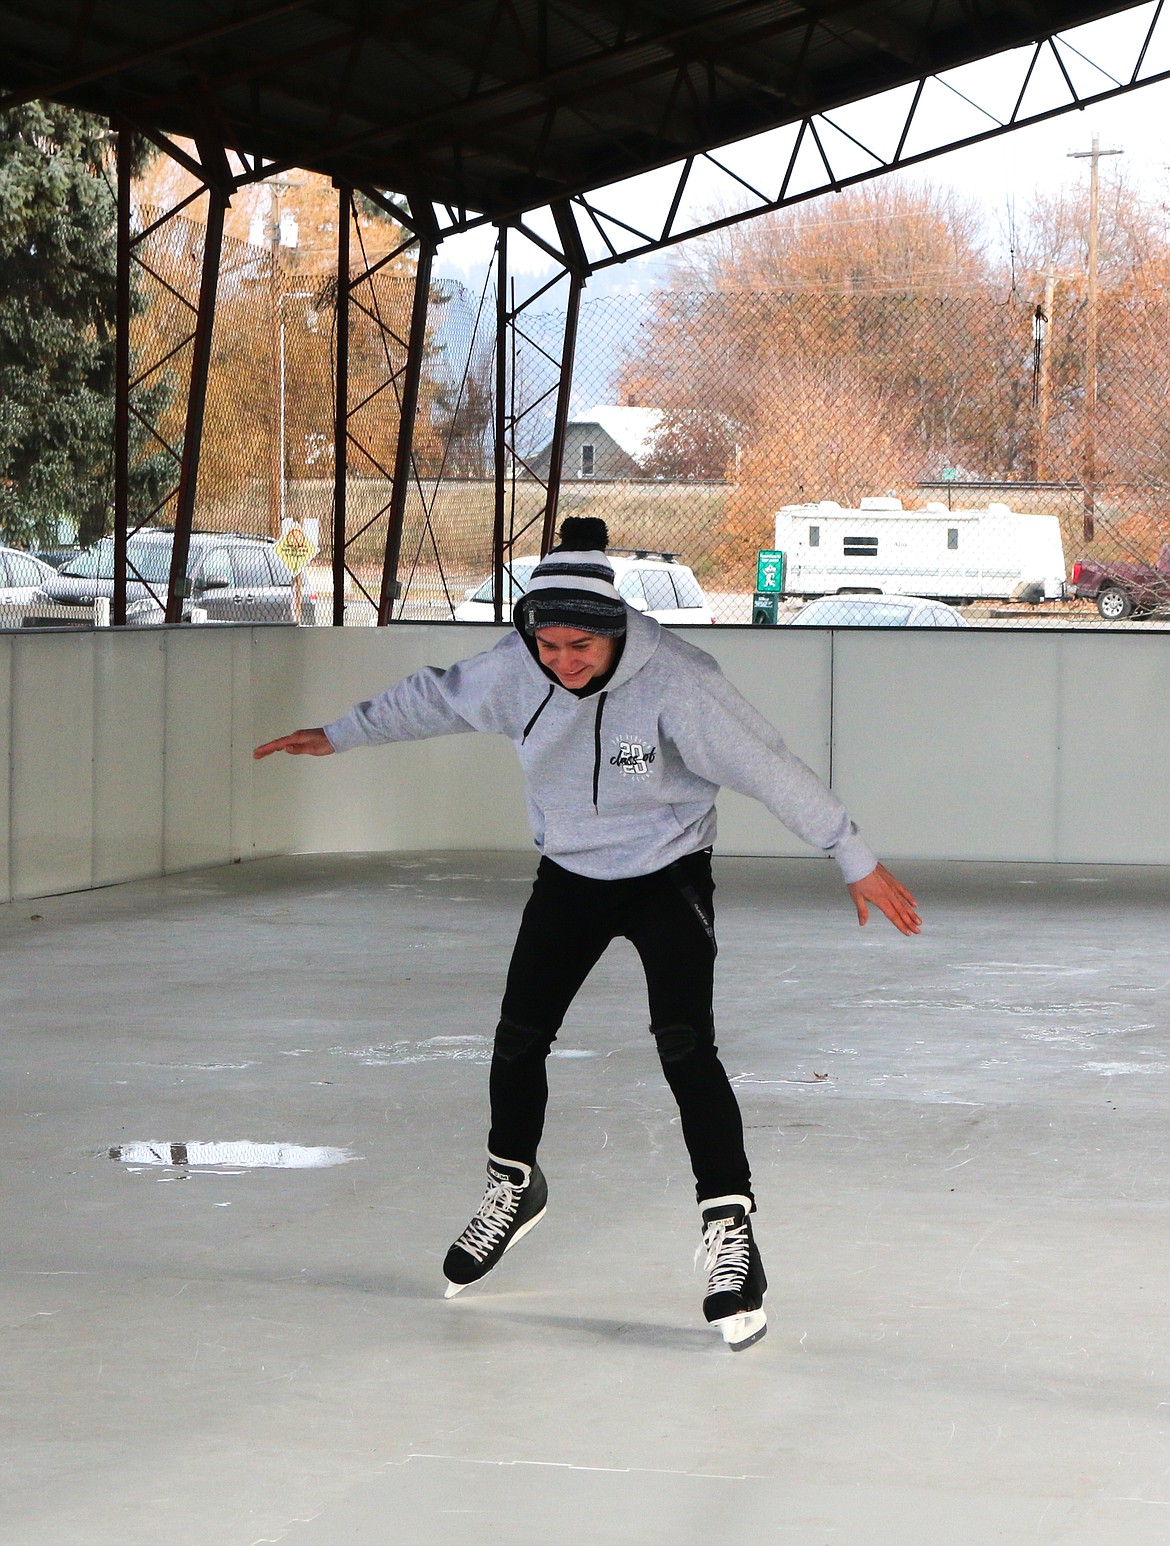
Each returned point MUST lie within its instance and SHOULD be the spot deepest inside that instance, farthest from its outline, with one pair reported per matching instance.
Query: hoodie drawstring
(536, 716)
(601, 697)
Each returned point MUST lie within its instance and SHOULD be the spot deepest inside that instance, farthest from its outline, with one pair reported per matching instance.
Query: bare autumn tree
(888, 236)
(837, 348)
(1132, 421)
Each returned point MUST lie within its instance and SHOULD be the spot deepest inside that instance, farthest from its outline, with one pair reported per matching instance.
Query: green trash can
(765, 609)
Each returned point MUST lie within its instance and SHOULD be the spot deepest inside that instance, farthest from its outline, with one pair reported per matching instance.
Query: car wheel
(1114, 603)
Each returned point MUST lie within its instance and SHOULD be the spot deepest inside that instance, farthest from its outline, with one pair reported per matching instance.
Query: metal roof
(491, 107)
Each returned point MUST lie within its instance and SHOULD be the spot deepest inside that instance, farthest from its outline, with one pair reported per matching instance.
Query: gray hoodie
(623, 782)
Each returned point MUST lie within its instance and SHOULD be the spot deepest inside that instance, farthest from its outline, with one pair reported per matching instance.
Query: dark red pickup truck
(1123, 590)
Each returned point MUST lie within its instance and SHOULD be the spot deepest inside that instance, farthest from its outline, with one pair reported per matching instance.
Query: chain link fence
(940, 447)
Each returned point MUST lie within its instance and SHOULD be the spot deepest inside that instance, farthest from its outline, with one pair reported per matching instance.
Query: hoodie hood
(642, 637)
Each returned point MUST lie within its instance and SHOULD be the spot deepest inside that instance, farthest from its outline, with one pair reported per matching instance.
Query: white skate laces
(489, 1224)
(728, 1253)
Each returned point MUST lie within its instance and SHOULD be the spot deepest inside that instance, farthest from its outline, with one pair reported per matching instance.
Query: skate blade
(457, 1288)
(741, 1331)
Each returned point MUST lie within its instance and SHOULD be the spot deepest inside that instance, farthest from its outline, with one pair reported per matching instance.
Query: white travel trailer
(950, 555)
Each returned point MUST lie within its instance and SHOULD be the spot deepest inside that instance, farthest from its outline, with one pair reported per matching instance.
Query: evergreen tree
(57, 300)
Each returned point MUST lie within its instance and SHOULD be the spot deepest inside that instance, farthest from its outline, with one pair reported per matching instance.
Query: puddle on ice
(243, 1155)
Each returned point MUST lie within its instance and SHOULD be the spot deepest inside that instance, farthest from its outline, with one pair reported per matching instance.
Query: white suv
(654, 583)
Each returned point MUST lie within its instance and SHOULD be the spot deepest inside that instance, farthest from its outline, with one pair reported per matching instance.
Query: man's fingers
(884, 892)
(301, 743)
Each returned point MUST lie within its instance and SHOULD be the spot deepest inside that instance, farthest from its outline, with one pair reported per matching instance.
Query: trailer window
(861, 547)
(814, 536)
(953, 539)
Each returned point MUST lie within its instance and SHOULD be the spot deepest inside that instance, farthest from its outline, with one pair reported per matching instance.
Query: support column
(501, 409)
(407, 413)
(122, 383)
(196, 403)
(341, 405)
(556, 450)
(577, 265)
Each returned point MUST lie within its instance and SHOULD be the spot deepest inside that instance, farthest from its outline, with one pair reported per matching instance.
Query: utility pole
(1090, 458)
(277, 188)
(1044, 377)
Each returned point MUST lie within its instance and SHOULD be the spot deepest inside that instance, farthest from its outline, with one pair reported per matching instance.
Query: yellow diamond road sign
(294, 548)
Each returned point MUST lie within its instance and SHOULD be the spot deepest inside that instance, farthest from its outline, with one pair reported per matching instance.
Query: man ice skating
(625, 734)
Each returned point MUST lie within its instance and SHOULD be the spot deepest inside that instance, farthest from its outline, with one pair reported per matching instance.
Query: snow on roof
(633, 429)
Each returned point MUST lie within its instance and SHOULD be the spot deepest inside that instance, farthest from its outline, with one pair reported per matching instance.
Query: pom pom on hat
(582, 534)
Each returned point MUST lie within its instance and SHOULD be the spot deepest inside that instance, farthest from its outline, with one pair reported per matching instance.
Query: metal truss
(193, 344)
(401, 355)
(512, 413)
(827, 151)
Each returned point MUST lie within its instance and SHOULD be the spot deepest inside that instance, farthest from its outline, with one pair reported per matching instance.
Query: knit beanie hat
(573, 587)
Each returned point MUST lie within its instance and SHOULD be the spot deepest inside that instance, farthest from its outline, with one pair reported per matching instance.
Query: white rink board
(130, 754)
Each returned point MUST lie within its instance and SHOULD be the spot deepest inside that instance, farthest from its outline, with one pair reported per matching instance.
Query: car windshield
(149, 560)
(516, 583)
(836, 612)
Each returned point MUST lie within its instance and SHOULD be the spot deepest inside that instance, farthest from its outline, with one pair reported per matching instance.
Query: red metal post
(407, 413)
(122, 383)
(341, 405)
(577, 267)
(501, 408)
(196, 403)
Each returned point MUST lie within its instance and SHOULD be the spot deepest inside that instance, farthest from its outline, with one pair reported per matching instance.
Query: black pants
(668, 917)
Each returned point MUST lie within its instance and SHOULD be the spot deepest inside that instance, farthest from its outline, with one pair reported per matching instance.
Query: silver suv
(232, 578)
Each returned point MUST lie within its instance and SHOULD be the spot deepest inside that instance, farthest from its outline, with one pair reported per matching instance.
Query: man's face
(573, 656)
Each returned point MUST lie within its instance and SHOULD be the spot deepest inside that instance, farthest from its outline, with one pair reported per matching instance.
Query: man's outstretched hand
(889, 896)
(301, 743)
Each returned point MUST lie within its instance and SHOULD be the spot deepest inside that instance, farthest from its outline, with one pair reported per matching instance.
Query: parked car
(1123, 590)
(654, 583)
(878, 612)
(232, 579)
(21, 579)
(57, 558)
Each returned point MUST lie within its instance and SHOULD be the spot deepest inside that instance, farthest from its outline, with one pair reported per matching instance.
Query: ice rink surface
(243, 1117)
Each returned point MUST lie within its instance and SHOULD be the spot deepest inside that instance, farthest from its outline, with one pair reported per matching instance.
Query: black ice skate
(514, 1201)
(735, 1274)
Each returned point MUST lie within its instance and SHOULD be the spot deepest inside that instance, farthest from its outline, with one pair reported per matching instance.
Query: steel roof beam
(58, 87)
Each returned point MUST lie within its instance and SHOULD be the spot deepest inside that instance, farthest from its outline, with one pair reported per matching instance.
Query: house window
(814, 536)
(586, 461)
(953, 539)
(860, 547)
